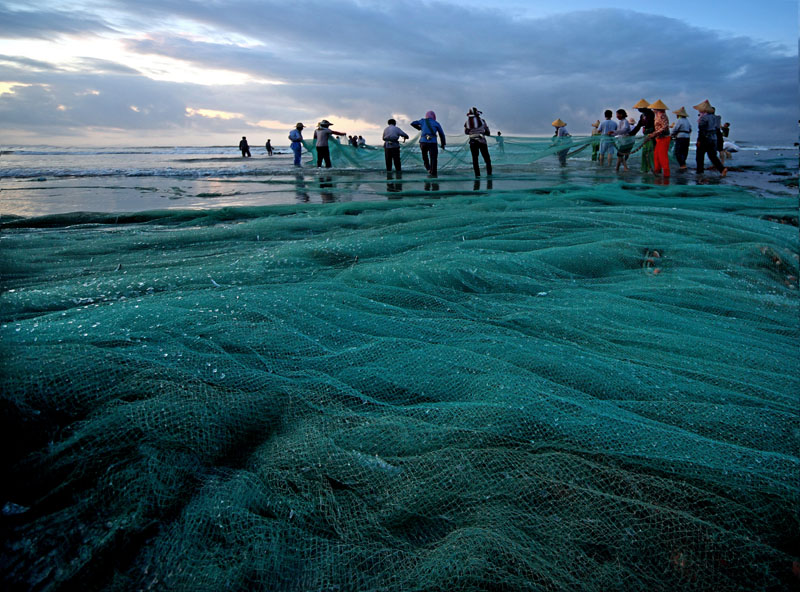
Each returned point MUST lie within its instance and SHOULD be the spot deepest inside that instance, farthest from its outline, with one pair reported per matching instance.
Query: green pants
(647, 156)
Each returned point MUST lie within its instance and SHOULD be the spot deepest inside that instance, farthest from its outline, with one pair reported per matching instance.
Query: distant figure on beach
(321, 135)
(681, 134)
(477, 129)
(728, 149)
(607, 145)
(244, 147)
(296, 136)
(391, 145)
(660, 135)
(269, 147)
(430, 128)
(726, 129)
(561, 136)
(707, 127)
(595, 144)
(624, 139)
(500, 146)
(361, 143)
(646, 123)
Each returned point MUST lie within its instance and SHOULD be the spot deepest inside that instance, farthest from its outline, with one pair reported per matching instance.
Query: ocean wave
(124, 150)
(43, 173)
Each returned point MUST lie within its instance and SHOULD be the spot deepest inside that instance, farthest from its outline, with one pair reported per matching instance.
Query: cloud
(44, 24)
(361, 62)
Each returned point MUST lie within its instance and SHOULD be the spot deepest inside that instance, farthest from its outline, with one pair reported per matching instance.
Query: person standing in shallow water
(607, 129)
(477, 129)
(321, 135)
(660, 135)
(681, 134)
(269, 147)
(561, 136)
(647, 125)
(244, 147)
(707, 128)
(623, 138)
(430, 128)
(296, 136)
(391, 145)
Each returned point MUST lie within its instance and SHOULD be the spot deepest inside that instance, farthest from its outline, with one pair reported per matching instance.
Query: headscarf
(430, 115)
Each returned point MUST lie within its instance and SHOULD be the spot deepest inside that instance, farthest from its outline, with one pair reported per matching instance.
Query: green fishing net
(566, 388)
(504, 150)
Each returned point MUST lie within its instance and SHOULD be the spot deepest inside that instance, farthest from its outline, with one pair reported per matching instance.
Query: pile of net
(575, 388)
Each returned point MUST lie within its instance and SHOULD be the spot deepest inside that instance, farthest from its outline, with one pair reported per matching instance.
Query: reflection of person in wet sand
(325, 190)
(393, 186)
(300, 188)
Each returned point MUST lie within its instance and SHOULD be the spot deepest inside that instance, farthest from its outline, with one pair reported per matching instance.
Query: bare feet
(724, 172)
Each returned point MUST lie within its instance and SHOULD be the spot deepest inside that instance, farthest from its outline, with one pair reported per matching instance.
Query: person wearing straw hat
(561, 136)
(647, 125)
(477, 129)
(660, 135)
(707, 125)
(321, 135)
(296, 136)
(681, 134)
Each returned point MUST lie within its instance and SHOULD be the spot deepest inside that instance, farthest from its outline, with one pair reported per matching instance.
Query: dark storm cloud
(368, 61)
(40, 23)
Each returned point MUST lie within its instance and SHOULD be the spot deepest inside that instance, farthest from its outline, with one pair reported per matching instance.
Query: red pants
(661, 156)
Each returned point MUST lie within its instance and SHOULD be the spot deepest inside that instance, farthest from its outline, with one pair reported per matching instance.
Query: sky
(185, 72)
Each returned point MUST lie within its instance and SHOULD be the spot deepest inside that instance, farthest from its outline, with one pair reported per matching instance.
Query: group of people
(356, 141)
(431, 136)
(616, 138)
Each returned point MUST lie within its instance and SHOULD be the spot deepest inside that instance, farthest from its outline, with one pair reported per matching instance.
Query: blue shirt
(607, 126)
(429, 129)
(295, 136)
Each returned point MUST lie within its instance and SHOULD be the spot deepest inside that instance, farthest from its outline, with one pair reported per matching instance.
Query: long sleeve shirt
(392, 135)
(707, 124)
(661, 125)
(682, 129)
(623, 128)
(477, 129)
(296, 136)
(429, 129)
(646, 122)
(323, 133)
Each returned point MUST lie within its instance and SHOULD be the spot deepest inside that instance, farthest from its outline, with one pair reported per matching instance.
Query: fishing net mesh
(565, 389)
(503, 150)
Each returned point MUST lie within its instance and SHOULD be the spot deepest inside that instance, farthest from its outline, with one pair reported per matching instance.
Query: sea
(44, 180)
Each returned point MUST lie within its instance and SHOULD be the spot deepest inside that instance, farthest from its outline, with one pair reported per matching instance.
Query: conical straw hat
(704, 107)
(659, 104)
(558, 123)
(681, 112)
(642, 104)
(596, 123)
